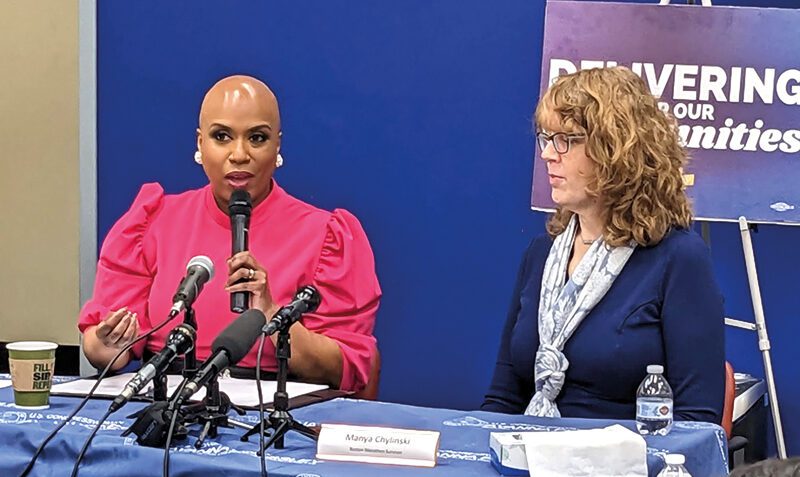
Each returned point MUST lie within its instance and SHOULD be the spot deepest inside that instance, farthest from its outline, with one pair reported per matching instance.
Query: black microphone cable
(262, 452)
(165, 470)
(85, 400)
(232, 344)
(172, 421)
(89, 441)
(86, 444)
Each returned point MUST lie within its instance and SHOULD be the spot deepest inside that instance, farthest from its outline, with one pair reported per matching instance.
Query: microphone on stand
(199, 270)
(306, 300)
(230, 346)
(180, 341)
(239, 209)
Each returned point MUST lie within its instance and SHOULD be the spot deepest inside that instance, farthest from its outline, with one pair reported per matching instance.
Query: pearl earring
(198, 157)
(279, 161)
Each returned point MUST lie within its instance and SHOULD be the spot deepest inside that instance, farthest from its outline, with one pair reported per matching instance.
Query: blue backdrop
(415, 116)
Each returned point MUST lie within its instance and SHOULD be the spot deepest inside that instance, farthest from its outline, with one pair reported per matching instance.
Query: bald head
(239, 138)
(240, 94)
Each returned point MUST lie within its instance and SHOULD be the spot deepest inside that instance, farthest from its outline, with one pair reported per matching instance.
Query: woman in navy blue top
(620, 281)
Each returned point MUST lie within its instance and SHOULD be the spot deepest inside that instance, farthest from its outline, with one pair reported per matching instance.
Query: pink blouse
(145, 254)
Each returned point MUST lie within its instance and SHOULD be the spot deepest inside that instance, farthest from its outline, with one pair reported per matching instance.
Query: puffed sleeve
(125, 269)
(345, 276)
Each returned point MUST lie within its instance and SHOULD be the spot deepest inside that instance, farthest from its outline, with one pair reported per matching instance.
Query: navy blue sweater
(664, 308)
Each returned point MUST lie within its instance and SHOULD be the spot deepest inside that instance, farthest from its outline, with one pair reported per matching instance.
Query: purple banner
(731, 77)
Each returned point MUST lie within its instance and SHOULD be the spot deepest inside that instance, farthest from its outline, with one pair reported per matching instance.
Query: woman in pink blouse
(291, 244)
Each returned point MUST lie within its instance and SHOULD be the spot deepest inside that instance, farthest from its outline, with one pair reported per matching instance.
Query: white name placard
(378, 445)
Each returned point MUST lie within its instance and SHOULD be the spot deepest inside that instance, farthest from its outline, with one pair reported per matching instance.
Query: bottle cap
(655, 369)
(674, 459)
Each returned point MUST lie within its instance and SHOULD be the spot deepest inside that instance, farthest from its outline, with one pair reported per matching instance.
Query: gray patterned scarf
(562, 307)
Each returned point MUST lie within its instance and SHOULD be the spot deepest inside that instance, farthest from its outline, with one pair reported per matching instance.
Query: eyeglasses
(561, 141)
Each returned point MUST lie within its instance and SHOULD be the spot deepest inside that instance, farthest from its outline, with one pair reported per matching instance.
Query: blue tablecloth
(464, 446)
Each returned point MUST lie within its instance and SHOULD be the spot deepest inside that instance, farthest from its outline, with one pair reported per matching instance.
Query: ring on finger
(251, 273)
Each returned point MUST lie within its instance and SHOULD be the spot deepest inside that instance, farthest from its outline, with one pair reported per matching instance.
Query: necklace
(583, 240)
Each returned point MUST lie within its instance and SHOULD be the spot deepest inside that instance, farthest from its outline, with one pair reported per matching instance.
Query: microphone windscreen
(202, 261)
(240, 335)
(240, 203)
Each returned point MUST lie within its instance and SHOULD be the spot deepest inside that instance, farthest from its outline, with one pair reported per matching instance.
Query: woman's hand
(101, 342)
(315, 357)
(252, 277)
(118, 329)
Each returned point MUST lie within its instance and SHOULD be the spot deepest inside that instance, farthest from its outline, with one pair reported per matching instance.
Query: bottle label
(654, 410)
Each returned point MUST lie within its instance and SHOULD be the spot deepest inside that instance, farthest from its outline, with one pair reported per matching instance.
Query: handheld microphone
(179, 341)
(230, 346)
(239, 208)
(199, 270)
(306, 300)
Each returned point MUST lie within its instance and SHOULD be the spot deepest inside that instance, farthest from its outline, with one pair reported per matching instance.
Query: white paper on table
(109, 387)
(242, 392)
(4, 383)
(611, 452)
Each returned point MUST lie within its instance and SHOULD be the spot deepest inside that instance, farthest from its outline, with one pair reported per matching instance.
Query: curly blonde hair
(635, 148)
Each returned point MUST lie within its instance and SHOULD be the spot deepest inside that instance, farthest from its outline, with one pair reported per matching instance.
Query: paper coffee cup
(32, 364)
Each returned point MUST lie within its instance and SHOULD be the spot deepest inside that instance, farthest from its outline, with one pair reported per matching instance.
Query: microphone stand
(211, 412)
(279, 420)
(160, 387)
(151, 425)
(190, 360)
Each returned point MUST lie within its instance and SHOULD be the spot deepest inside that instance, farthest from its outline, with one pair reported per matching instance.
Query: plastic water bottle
(654, 403)
(674, 467)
